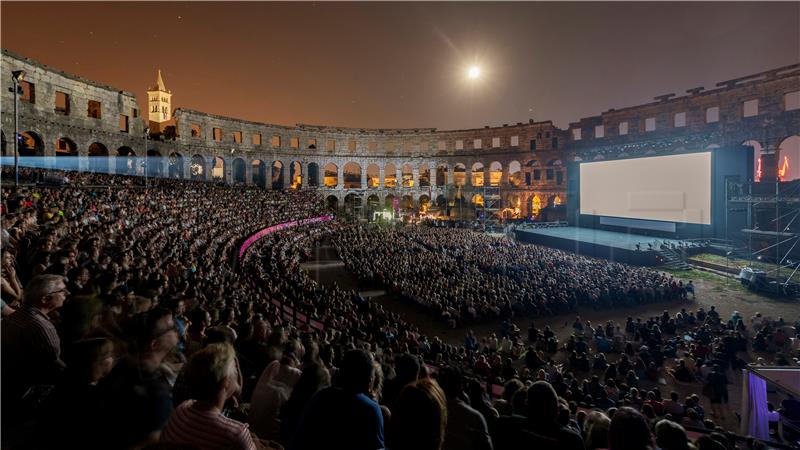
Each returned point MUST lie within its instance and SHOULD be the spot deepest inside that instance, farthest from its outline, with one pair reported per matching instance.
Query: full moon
(474, 72)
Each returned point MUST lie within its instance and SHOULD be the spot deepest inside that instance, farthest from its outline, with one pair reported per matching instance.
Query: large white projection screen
(674, 188)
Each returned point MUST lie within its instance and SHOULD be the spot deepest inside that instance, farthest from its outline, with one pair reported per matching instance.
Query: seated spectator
(419, 417)
(595, 430)
(629, 431)
(313, 378)
(466, 427)
(213, 376)
(343, 415)
(671, 436)
(69, 416)
(138, 395)
(31, 348)
(673, 406)
(265, 406)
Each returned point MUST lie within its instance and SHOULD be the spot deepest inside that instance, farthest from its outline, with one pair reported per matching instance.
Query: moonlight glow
(474, 72)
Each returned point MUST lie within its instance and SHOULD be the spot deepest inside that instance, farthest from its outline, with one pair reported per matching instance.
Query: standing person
(343, 415)
(31, 349)
(214, 378)
(419, 418)
(717, 386)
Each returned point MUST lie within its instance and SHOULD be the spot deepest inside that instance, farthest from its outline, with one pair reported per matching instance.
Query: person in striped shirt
(199, 423)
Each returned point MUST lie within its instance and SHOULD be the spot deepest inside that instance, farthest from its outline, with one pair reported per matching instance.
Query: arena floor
(724, 293)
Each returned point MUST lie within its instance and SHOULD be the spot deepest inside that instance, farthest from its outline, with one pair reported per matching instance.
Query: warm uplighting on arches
(789, 159)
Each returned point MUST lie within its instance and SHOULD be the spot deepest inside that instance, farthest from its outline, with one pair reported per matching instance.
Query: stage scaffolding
(762, 221)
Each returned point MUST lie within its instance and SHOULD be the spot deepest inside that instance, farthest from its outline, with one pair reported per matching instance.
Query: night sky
(403, 65)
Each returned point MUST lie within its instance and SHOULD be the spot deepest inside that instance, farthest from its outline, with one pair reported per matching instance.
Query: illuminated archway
(197, 167)
(789, 159)
(758, 169)
(332, 203)
(424, 176)
(389, 176)
(441, 175)
(331, 177)
(276, 175)
(373, 204)
(66, 152)
(407, 203)
(515, 174)
(218, 169)
(477, 200)
(424, 203)
(373, 176)
(296, 175)
(495, 173)
(459, 174)
(351, 172)
(477, 175)
(536, 205)
(154, 160)
(389, 202)
(30, 144)
(408, 175)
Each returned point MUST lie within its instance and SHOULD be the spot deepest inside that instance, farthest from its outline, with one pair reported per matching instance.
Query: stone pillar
(487, 176)
(415, 176)
(364, 179)
(468, 175)
(248, 173)
(285, 175)
(187, 168)
(304, 176)
(381, 177)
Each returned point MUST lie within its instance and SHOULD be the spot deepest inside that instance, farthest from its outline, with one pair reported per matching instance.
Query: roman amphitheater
(514, 170)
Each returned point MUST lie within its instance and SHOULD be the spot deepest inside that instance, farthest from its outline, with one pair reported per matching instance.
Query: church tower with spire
(159, 101)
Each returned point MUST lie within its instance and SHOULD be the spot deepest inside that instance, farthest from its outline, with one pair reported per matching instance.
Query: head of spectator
(629, 430)
(46, 293)
(90, 360)
(356, 372)
(155, 336)
(211, 374)
(595, 430)
(452, 382)
(419, 417)
(546, 409)
(671, 436)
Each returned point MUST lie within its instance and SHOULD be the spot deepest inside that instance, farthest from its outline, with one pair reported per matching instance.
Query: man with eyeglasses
(31, 348)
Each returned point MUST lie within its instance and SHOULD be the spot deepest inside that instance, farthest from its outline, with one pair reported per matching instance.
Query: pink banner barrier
(281, 226)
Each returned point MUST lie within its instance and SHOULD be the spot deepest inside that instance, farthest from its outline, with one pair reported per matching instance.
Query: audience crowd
(130, 322)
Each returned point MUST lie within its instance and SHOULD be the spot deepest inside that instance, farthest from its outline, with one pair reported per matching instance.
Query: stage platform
(620, 247)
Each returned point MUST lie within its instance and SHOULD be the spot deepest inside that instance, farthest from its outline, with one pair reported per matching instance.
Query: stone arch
(424, 176)
(495, 173)
(331, 175)
(313, 174)
(154, 166)
(477, 174)
(388, 202)
(352, 204)
(258, 172)
(218, 169)
(789, 158)
(175, 168)
(98, 158)
(125, 160)
(197, 167)
(276, 175)
(373, 176)
(424, 203)
(407, 202)
(239, 170)
(459, 174)
(536, 205)
(295, 175)
(407, 176)
(332, 202)
(351, 172)
(515, 174)
(31, 144)
(373, 205)
(390, 175)
(441, 175)
(66, 152)
(513, 208)
(758, 149)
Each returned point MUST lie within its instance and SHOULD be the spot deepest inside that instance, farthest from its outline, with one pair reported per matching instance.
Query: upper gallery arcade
(515, 167)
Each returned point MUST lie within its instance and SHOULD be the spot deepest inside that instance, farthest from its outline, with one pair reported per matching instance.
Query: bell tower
(159, 102)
